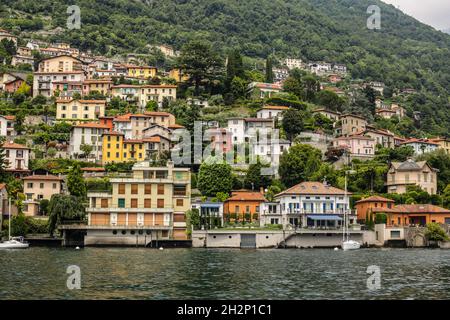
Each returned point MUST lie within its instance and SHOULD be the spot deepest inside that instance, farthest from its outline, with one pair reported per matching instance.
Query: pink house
(356, 145)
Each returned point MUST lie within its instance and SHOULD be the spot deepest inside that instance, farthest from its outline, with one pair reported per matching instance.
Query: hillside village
(78, 128)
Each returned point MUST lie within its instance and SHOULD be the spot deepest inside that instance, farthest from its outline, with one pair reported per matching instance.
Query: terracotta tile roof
(133, 141)
(414, 140)
(123, 118)
(155, 139)
(158, 113)
(375, 199)
(2, 186)
(12, 118)
(12, 145)
(412, 209)
(82, 101)
(91, 125)
(312, 187)
(275, 108)
(246, 195)
(113, 133)
(175, 126)
(43, 177)
(93, 169)
(169, 86)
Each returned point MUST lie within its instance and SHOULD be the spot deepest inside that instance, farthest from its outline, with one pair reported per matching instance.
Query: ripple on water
(40, 273)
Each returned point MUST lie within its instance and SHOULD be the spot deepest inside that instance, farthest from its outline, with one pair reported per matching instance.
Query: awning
(325, 217)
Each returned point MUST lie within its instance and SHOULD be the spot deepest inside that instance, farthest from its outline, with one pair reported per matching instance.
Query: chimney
(261, 190)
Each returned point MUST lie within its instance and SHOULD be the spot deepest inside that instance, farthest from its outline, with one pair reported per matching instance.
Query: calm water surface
(40, 273)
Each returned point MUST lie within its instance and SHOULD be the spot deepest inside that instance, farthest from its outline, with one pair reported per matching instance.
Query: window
(160, 189)
(41, 185)
(395, 234)
(180, 202)
(179, 190)
(147, 203)
(160, 203)
(121, 188)
(148, 188)
(121, 203)
(30, 185)
(104, 203)
(134, 203)
(134, 188)
(236, 209)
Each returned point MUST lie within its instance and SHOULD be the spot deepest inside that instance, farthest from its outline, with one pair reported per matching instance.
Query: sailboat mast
(9, 222)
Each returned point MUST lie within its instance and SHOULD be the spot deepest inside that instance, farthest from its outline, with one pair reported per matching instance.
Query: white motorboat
(16, 242)
(350, 245)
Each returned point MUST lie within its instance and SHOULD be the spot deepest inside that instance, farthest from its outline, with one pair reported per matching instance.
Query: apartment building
(37, 188)
(115, 148)
(143, 207)
(80, 110)
(242, 129)
(89, 134)
(352, 124)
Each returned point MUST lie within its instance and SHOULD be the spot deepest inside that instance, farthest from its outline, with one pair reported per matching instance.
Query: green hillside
(404, 53)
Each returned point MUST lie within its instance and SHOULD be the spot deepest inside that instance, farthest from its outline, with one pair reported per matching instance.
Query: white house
(7, 126)
(90, 134)
(293, 63)
(271, 112)
(17, 157)
(269, 151)
(421, 146)
(242, 129)
(320, 68)
(314, 205)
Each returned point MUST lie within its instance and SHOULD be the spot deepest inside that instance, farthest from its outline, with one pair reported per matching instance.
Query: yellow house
(80, 110)
(444, 143)
(62, 63)
(115, 148)
(178, 75)
(141, 71)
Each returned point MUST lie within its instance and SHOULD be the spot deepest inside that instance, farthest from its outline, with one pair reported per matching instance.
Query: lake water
(119, 273)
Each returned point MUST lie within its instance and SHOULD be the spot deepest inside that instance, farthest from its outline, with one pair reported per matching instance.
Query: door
(248, 241)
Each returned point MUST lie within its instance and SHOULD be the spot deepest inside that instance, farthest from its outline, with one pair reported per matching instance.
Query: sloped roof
(409, 165)
(246, 195)
(375, 199)
(43, 177)
(12, 145)
(413, 208)
(312, 187)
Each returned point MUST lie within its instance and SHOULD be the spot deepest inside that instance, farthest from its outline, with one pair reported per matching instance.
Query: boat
(347, 244)
(13, 242)
(350, 245)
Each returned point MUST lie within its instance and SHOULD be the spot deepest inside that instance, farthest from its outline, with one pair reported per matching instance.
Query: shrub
(435, 232)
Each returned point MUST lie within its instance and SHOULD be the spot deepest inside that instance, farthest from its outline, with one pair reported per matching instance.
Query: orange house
(364, 207)
(243, 205)
(108, 121)
(414, 214)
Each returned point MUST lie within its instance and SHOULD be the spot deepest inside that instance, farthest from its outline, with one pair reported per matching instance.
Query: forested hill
(404, 53)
